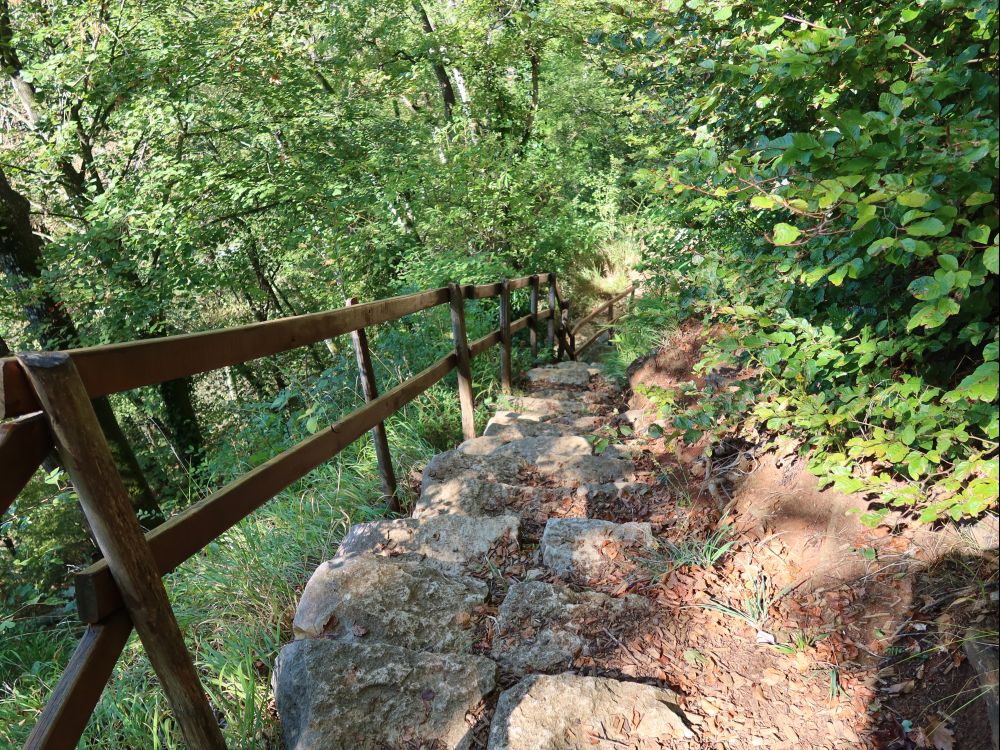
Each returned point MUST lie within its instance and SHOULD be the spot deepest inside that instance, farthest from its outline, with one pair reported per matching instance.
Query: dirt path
(567, 582)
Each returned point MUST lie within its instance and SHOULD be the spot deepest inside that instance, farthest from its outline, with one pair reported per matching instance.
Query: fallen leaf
(901, 688)
(939, 736)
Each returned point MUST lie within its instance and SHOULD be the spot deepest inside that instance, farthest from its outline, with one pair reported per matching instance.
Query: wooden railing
(48, 398)
(606, 307)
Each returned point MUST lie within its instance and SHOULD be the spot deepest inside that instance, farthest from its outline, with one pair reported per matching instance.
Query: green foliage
(828, 192)
(703, 553)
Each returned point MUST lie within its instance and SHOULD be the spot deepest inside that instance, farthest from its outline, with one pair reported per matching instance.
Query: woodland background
(817, 181)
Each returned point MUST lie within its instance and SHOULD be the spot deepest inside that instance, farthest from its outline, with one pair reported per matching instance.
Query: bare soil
(868, 623)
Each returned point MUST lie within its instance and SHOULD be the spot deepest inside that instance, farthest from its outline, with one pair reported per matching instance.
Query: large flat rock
(575, 376)
(528, 449)
(468, 496)
(407, 601)
(570, 712)
(505, 468)
(333, 694)
(546, 405)
(587, 548)
(447, 538)
(543, 627)
(512, 425)
(598, 400)
(474, 497)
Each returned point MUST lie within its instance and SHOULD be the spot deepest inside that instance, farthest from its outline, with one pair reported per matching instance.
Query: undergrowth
(234, 601)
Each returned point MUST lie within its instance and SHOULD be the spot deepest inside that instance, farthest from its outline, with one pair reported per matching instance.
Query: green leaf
(785, 234)
(896, 452)
(763, 201)
(927, 315)
(926, 287)
(914, 199)
(981, 384)
(979, 234)
(991, 259)
(890, 103)
(948, 262)
(931, 226)
(979, 199)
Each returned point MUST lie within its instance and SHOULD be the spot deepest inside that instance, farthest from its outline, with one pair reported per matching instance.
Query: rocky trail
(563, 584)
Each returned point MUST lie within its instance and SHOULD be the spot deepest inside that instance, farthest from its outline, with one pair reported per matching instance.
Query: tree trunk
(529, 123)
(182, 419)
(51, 325)
(444, 82)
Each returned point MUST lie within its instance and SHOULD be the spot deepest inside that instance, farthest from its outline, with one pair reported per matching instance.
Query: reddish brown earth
(880, 614)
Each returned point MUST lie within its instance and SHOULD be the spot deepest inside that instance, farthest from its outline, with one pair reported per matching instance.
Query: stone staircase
(459, 626)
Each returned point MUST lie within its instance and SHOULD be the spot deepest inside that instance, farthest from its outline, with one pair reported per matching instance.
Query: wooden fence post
(368, 386)
(465, 398)
(533, 309)
(106, 504)
(553, 310)
(505, 363)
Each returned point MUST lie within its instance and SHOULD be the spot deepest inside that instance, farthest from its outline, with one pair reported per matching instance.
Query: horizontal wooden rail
(599, 309)
(99, 371)
(187, 532)
(590, 341)
(120, 367)
(24, 444)
(479, 346)
(65, 716)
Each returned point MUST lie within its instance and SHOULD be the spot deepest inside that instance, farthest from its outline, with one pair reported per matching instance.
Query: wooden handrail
(66, 713)
(612, 318)
(600, 308)
(114, 368)
(98, 371)
(24, 444)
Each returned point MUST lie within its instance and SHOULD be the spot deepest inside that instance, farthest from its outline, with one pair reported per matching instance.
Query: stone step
(562, 406)
(450, 539)
(474, 497)
(371, 696)
(586, 549)
(512, 469)
(512, 425)
(543, 627)
(528, 449)
(575, 374)
(571, 712)
(596, 400)
(407, 601)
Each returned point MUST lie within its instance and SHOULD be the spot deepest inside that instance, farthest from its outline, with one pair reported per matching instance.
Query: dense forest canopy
(818, 181)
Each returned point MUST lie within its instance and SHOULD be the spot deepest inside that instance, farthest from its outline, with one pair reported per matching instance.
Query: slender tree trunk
(529, 123)
(440, 72)
(50, 323)
(177, 398)
(178, 402)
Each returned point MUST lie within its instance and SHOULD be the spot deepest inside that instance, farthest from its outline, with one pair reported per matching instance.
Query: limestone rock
(545, 405)
(543, 627)
(509, 425)
(451, 539)
(472, 497)
(570, 712)
(595, 399)
(527, 449)
(334, 694)
(576, 376)
(468, 496)
(510, 469)
(407, 601)
(587, 548)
